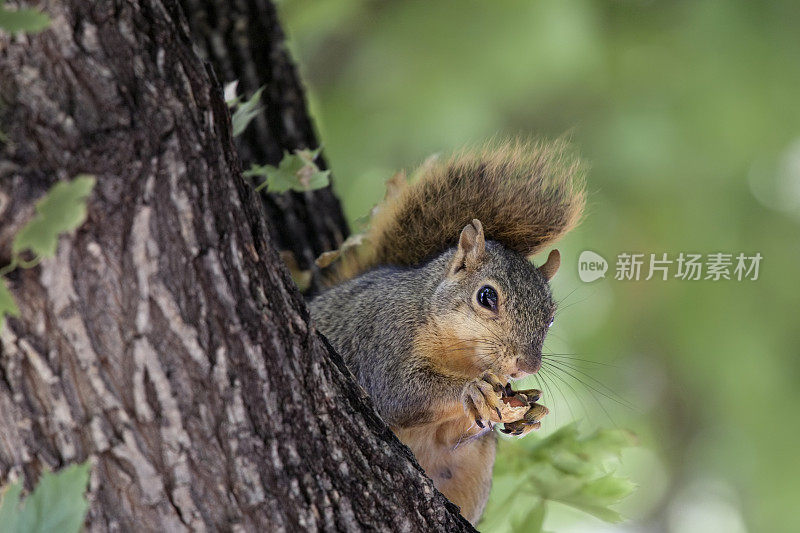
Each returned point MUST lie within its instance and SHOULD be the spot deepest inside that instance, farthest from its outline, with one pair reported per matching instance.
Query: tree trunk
(244, 41)
(165, 341)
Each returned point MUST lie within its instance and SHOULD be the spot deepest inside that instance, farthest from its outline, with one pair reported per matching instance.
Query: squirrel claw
(494, 381)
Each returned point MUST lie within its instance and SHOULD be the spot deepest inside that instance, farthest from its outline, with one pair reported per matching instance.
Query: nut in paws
(530, 421)
(484, 400)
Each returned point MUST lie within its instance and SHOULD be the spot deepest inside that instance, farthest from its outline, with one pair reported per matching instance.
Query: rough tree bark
(165, 341)
(243, 41)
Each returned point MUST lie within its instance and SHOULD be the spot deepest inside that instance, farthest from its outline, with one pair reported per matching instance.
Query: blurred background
(688, 115)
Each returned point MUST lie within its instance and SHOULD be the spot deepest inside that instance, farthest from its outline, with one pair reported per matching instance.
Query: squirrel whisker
(554, 376)
(610, 393)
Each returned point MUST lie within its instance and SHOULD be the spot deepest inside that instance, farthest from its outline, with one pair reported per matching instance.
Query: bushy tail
(526, 194)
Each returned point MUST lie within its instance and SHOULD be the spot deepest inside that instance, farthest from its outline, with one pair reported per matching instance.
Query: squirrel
(446, 308)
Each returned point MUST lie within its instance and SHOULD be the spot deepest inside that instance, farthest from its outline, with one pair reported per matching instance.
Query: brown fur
(526, 194)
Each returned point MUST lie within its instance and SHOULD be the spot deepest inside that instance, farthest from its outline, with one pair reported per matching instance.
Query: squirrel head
(491, 310)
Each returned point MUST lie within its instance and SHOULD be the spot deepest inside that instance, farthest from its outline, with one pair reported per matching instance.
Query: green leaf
(246, 112)
(9, 506)
(22, 20)
(296, 172)
(62, 209)
(608, 489)
(533, 522)
(7, 305)
(57, 502)
(596, 495)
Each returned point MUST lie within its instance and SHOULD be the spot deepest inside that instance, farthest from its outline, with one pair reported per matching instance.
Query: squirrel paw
(533, 415)
(485, 400)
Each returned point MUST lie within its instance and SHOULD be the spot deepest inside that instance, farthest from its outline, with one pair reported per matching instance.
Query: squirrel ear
(471, 247)
(549, 268)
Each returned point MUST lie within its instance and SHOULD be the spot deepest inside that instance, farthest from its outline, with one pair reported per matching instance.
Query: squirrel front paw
(485, 398)
(488, 401)
(533, 414)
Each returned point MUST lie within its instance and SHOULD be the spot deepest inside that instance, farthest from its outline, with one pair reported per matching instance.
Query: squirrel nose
(530, 364)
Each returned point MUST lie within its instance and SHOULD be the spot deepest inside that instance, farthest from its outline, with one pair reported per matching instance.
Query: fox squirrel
(446, 308)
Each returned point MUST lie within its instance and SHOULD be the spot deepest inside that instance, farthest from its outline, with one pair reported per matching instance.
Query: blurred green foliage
(687, 112)
(562, 467)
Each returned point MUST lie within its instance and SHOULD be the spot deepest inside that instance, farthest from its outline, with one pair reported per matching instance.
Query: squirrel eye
(551, 322)
(487, 297)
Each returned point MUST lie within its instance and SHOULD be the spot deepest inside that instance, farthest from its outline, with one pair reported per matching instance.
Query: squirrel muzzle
(530, 363)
